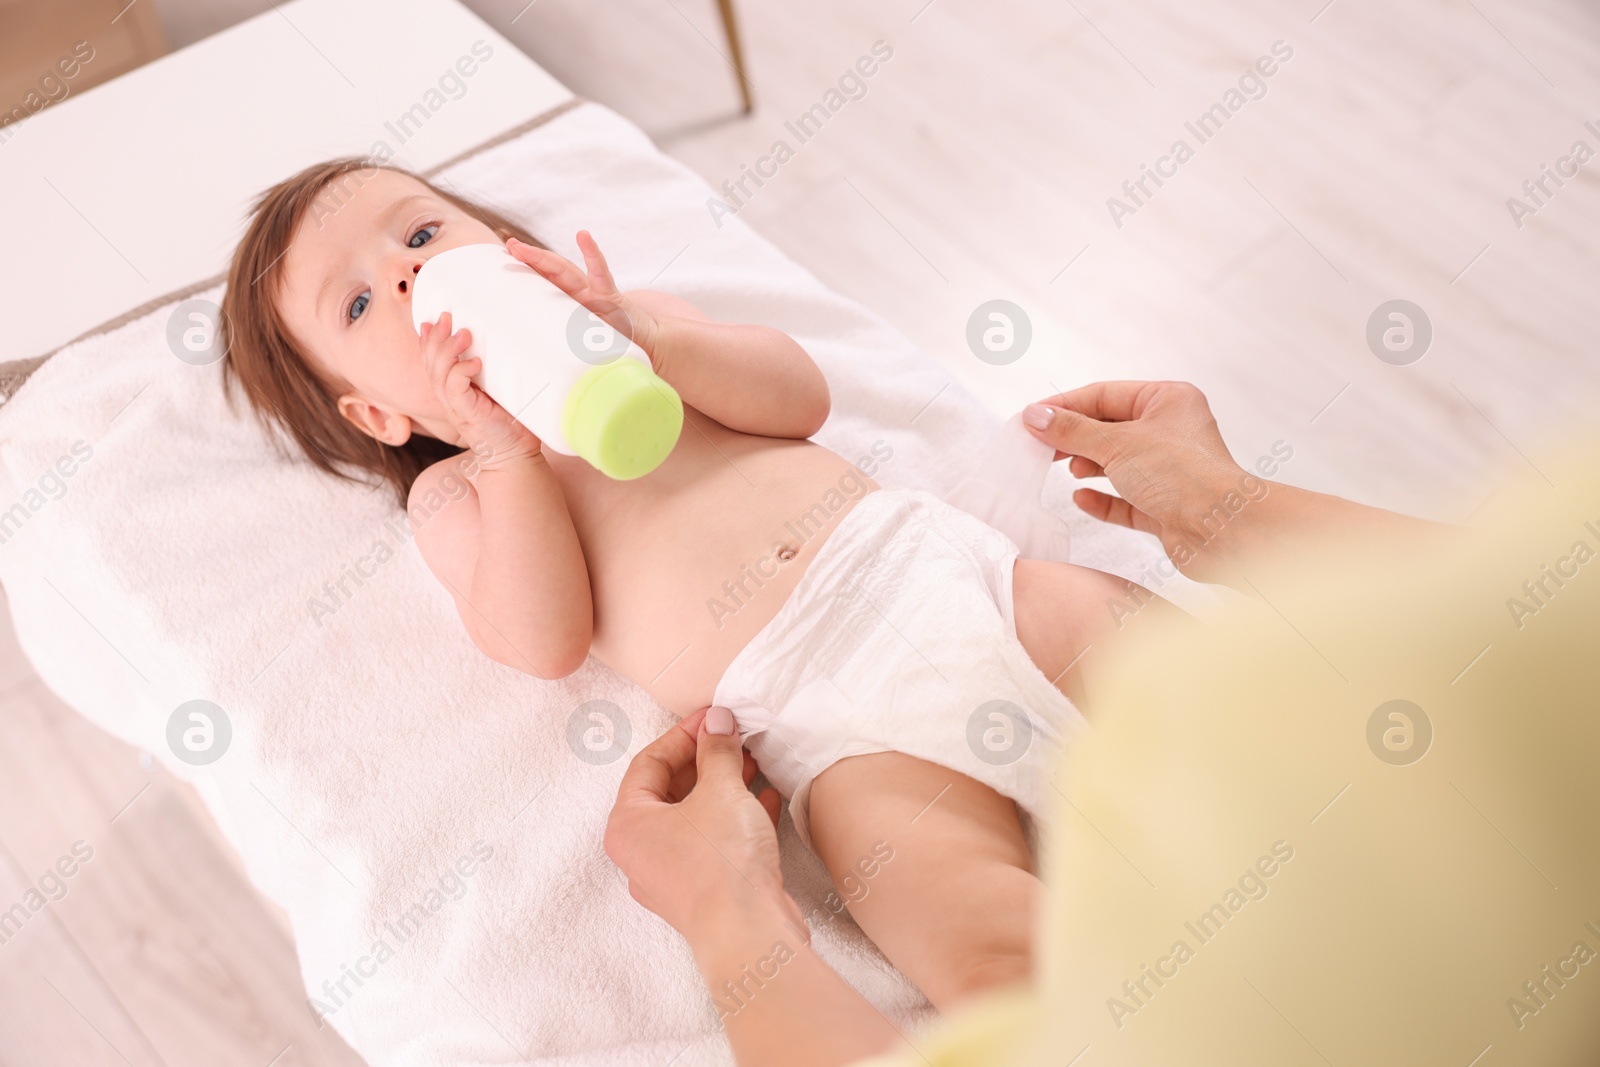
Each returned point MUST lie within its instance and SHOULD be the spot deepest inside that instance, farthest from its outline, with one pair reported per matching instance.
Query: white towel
(376, 754)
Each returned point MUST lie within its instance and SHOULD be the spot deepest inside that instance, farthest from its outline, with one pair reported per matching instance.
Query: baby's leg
(1064, 612)
(954, 903)
(955, 906)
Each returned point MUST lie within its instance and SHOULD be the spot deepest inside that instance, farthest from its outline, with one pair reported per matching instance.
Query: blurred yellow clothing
(994, 1031)
(1357, 822)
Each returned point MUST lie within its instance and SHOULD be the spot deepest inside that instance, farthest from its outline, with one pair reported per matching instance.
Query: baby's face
(346, 297)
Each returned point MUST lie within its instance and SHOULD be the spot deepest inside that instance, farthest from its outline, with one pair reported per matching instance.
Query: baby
(877, 647)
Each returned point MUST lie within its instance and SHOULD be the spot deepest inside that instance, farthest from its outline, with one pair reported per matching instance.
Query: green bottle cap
(622, 418)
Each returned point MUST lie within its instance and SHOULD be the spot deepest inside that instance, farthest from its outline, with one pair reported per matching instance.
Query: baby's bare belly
(688, 563)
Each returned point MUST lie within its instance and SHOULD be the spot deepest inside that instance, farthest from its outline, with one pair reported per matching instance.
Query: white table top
(140, 187)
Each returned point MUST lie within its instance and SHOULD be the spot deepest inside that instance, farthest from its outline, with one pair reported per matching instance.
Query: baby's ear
(375, 421)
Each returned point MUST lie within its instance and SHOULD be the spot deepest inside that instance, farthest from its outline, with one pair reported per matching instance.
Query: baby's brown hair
(286, 389)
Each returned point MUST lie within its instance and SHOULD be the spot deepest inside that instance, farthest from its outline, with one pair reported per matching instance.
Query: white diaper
(901, 638)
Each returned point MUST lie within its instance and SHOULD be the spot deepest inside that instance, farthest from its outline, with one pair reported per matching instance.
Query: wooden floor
(155, 950)
(977, 165)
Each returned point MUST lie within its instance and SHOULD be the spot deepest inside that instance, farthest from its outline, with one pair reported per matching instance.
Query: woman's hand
(697, 847)
(483, 425)
(702, 853)
(1159, 445)
(595, 290)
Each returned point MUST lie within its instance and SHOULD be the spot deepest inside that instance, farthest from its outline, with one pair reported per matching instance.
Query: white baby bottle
(582, 387)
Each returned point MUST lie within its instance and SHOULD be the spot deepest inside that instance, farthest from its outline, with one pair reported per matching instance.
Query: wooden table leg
(731, 27)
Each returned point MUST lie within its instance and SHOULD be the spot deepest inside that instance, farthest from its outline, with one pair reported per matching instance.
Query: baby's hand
(594, 290)
(484, 426)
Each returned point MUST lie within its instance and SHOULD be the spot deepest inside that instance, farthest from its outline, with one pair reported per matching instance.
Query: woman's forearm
(779, 1003)
(708, 863)
(1289, 520)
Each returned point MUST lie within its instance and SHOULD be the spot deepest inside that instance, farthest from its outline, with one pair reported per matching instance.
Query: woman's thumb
(1070, 432)
(719, 753)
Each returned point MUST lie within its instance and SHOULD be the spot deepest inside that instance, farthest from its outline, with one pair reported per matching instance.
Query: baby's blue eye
(357, 306)
(426, 233)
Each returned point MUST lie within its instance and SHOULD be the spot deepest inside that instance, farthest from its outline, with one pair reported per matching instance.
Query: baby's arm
(753, 379)
(505, 548)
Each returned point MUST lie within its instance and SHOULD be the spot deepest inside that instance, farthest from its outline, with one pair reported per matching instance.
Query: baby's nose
(405, 283)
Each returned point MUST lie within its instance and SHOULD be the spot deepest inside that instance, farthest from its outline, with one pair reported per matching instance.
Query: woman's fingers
(770, 800)
(1083, 467)
(721, 754)
(670, 762)
(1107, 401)
(1070, 432)
(1097, 505)
(1084, 422)
(648, 778)
(690, 723)
(712, 850)
(683, 781)
(1114, 509)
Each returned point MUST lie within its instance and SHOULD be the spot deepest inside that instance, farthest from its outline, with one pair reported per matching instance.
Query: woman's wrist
(1276, 522)
(1208, 519)
(751, 936)
(777, 1000)
(737, 915)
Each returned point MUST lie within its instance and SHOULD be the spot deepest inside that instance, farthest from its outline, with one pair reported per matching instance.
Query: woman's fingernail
(719, 721)
(1038, 416)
